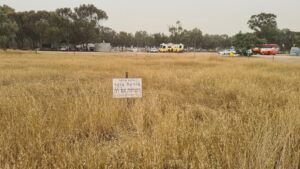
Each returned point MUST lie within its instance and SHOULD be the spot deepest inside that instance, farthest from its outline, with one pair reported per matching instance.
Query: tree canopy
(83, 25)
(265, 26)
(8, 28)
(245, 41)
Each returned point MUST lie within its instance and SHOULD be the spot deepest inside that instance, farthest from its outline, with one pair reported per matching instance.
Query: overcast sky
(211, 16)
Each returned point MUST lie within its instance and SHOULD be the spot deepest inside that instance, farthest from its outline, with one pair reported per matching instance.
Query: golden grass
(57, 111)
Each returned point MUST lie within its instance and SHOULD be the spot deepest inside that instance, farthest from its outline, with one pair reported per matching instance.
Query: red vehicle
(266, 49)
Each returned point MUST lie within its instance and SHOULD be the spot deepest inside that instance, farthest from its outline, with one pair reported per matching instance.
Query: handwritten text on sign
(127, 88)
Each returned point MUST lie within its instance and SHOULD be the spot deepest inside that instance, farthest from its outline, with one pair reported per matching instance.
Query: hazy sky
(211, 16)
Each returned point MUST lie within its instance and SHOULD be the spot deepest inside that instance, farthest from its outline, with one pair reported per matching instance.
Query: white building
(102, 47)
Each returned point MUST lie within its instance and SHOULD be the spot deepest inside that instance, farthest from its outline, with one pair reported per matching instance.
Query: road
(283, 58)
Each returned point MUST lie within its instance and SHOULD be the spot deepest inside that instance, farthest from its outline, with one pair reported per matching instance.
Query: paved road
(283, 58)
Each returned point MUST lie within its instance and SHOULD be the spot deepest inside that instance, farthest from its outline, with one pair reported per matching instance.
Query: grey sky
(211, 16)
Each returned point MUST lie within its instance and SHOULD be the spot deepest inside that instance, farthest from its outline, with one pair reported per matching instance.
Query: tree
(8, 28)
(212, 42)
(265, 26)
(124, 39)
(192, 38)
(143, 39)
(28, 36)
(159, 38)
(65, 24)
(297, 37)
(43, 29)
(19, 19)
(245, 41)
(108, 35)
(87, 20)
(7, 9)
(176, 32)
(287, 39)
(62, 26)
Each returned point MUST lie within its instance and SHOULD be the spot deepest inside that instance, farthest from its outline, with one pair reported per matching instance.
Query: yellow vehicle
(170, 47)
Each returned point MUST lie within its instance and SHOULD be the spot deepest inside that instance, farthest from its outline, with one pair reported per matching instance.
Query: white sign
(127, 88)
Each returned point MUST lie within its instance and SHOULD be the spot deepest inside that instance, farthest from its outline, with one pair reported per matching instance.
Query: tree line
(82, 25)
(265, 30)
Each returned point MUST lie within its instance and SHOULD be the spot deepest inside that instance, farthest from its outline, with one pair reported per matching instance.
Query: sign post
(126, 88)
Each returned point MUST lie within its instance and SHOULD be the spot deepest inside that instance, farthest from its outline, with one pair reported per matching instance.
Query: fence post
(127, 100)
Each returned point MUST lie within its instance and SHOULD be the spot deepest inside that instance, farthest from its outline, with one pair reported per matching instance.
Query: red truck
(266, 49)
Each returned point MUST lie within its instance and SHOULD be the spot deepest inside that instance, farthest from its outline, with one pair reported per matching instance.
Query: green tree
(44, 25)
(21, 36)
(159, 38)
(297, 37)
(65, 25)
(142, 39)
(8, 28)
(87, 20)
(265, 26)
(287, 39)
(192, 38)
(176, 35)
(212, 42)
(124, 39)
(108, 35)
(28, 36)
(7, 9)
(41, 27)
(245, 41)
(62, 26)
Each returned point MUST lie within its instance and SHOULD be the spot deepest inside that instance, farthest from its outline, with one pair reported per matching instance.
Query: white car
(64, 48)
(153, 50)
(227, 52)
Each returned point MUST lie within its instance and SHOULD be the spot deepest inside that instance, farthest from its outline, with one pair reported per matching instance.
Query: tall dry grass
(57, 111)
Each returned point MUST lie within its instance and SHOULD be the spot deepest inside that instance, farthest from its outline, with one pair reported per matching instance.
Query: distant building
(102, 47)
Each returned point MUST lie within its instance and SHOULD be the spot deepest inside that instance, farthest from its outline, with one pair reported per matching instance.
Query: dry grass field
(197, 111)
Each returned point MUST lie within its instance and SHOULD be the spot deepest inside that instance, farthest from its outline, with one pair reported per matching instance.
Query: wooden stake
(127, 100)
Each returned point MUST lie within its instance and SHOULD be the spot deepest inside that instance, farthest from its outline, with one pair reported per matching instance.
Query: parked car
(153, 50)
(64, 48)
(295, 51)
(249, 52)
(227, 52)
